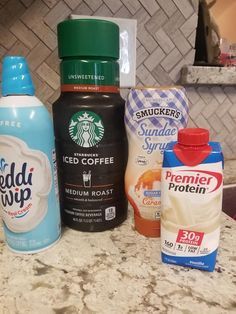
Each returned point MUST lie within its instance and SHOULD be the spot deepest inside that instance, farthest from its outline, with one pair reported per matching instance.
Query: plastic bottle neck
(192, 155)
(193, 147)
(89, 75)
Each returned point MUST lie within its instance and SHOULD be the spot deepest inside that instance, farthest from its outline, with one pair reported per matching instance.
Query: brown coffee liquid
(91, 167)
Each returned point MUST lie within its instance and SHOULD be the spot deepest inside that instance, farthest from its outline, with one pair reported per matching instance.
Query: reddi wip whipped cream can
(192, 183)
(153, 117)
(28, 174)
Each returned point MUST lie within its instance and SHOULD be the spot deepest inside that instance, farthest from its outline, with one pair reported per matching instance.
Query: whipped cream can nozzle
(16, 78)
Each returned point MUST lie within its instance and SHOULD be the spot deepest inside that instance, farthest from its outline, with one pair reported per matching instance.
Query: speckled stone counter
(115, 272)
(208, 75)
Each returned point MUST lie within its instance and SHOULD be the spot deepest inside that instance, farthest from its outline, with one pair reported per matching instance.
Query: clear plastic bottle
(28, 174)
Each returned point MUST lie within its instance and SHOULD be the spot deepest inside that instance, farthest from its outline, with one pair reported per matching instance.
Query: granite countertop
(210, 75)
(115, 272)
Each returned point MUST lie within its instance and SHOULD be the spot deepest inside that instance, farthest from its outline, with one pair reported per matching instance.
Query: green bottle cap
(88, 38)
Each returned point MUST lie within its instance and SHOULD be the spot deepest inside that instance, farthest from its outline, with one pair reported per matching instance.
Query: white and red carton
(192, 182)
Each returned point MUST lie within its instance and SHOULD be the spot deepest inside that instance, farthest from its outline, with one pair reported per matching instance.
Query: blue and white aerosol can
(28, 174)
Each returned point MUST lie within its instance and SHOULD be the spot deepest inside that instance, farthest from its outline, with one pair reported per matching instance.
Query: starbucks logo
(86, 128)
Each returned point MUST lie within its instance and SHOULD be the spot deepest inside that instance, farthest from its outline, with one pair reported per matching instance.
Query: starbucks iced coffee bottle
(89, 126)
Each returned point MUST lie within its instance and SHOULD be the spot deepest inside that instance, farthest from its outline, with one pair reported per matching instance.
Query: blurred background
(166, 42)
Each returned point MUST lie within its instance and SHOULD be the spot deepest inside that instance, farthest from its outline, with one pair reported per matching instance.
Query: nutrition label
(186, 242)
(190, 237)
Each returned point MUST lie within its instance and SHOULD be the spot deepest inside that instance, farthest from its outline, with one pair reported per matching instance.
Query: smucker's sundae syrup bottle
(89, 126)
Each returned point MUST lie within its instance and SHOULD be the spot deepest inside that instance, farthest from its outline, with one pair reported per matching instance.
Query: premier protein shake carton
(192, 183)
(153, 117)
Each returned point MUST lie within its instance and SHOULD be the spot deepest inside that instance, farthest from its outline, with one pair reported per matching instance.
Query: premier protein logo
(193, 181)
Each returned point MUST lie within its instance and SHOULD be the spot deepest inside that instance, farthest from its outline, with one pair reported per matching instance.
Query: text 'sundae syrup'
(192, 182)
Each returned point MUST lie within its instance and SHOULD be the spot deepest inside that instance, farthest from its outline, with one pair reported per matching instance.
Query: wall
(165, 42)
(224, 14)
(166, 36)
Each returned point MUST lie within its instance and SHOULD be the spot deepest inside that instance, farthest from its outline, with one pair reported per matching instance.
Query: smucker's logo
(154, 112)
(15, 188)
(194, 181)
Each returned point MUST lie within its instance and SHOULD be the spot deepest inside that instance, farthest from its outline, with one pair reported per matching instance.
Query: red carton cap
(193, 137)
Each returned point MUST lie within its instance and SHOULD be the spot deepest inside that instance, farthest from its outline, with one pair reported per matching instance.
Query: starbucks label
(86, 128)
